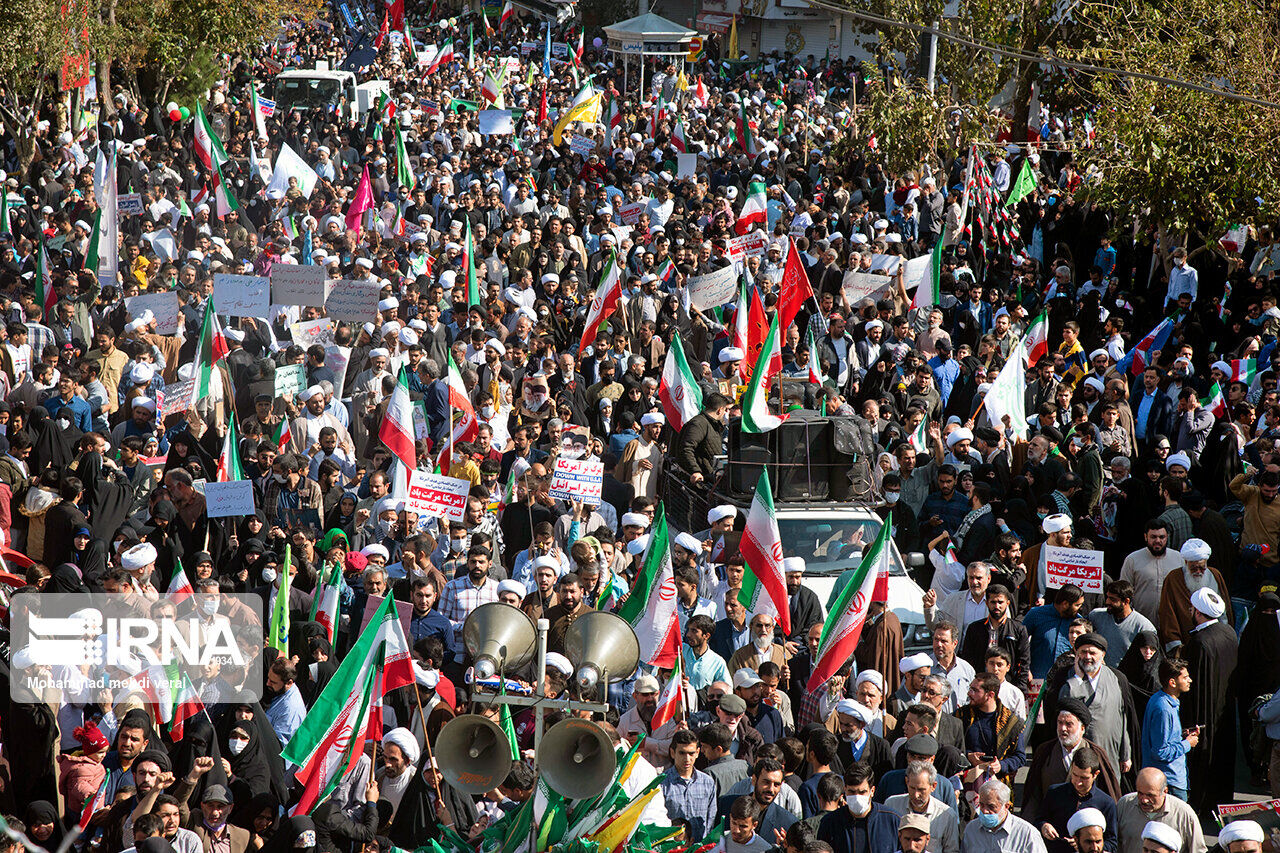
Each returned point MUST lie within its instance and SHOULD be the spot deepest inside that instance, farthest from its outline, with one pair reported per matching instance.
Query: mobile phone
(988, 758)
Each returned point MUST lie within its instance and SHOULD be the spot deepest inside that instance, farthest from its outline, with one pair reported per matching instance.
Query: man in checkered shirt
(464, 594)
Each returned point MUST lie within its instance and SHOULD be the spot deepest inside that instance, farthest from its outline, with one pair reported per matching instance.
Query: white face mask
(486, 411)
(280, 478)
(859, 804)
(209, 606)
(237, 746)
(892, 497)
(269, 575)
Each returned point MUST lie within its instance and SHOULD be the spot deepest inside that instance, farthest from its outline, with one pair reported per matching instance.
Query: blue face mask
(990, 821)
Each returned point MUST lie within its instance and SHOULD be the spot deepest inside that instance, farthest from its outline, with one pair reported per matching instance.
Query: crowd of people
(1042, 717)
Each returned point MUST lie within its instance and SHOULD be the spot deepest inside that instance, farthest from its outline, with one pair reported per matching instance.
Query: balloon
(186, 113)
(597, 42)
(175, 115)
(172, 106)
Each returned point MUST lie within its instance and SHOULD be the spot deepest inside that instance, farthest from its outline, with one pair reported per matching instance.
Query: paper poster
(629, 214)
(496, 122)
(918, 270)
(888, 263)
(352, 301)
(176, 397)
(163, 305)
(337, 359)
(421, 429)
(291, 379)
(575, 442)
(404, 610)
(714, 288)
(686, 165)
(233, 498)
(748, 245)
(308, 332)
(438, 496)
(1073, 565)
(857, 286)
(129, 204)
(241, 295)
(576, 479)
(298, 284)
(164, 244)
(583, 145)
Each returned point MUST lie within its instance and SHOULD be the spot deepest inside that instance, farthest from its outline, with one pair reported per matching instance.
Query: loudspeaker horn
(576, 758)
(599, 642)
(499, 637)
(473, 754)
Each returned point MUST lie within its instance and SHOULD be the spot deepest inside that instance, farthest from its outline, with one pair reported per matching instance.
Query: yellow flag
(587, 110)
(733, 38)
(615, 834)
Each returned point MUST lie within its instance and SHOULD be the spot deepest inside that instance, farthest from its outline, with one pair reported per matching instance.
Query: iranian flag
(755, 401)
(815, 370)
(186, 704)
(605, 301)
(443, 55)
(262, 109)
(844, 623)
(95, 803)
(45, 296)
(5, 225)
(462, 416)
(1244, 370)
(794, 290)
(679, 391)
(678, 140)
(1037, 339)
(1007, 396)
(180, 588)
(211, 154)
(764, 585)
(103, 256)
(404, 173)
(396, 430)
(919, 438)
(283, 435)
(670, 700)
(324, 606)
(507, 11)
(651, 607)
(701, 96)
(213, 348)
(745, 133)
(928, 292)
(331, 739)
(491, 89)
(229, 466)
(1215, 402)
(473, 286)
(755, 210)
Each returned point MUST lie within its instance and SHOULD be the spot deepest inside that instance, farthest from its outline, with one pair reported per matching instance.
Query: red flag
(397, 16)
(542, 107)
(757, 329)
(382, 33)
(794, 290)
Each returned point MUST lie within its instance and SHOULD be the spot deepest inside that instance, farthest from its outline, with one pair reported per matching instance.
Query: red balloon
(175, 115)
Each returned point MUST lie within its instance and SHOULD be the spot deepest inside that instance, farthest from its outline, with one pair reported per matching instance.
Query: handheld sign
(438, 496)
(578, 479)
(1073, 565)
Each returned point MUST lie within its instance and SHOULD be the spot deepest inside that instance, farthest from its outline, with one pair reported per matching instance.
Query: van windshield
(825, 543)
(307, 93)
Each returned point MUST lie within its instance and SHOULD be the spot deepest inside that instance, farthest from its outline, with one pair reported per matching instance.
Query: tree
(1189, 163)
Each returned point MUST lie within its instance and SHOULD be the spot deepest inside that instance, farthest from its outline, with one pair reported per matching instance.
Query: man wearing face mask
(862, 826)
(906, 528)
(1183, 278)
(997, 829)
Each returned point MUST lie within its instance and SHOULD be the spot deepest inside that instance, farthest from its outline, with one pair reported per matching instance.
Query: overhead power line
(1047, 60)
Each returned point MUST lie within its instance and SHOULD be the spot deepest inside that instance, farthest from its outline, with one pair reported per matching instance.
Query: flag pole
(426, 738)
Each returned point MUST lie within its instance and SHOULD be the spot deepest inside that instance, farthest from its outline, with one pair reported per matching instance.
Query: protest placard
(290, 379)
(714, 288)
(438, 496)
(421, 429)
(233, 498)
(1073, 565)
(164, 244)
(241, 295)
(748, 245)
(308, 332)
(404, 611)
(298, 284)
(629, 213)
(686, 165)
(577, 479)
(176, 397)
(337, 359)
(579, 144)
(352, 301)
(129, 204)
(917, 272)
(163, 305)
(888, 263)
(857, 286)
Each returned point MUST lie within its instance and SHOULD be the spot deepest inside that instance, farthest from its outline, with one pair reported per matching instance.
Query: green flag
(279, 636)
(1023, 186)
(473, 286)
(508, 727)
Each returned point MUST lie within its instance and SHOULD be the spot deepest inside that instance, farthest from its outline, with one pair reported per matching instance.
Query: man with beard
(857, 743)
(463, 595)
(1148, 567)
(282, 700)
(566, 612)
(806, 610)
(1177, 613)
(1118, 623)
(1100, 688)
(880, 646)
(1211, 654)
(635, 722)
(1050, 763)
(702, 439)
(800, 668)
(999, 629)
(765, 719)
(766, 783)
(761, 648)
(726, 707)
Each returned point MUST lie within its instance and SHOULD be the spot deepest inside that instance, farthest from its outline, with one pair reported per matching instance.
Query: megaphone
(499, 637)
(473, 754)
(598, 643)
(576, 758)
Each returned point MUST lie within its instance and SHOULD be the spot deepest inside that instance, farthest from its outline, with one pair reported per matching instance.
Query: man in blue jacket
(862, 826)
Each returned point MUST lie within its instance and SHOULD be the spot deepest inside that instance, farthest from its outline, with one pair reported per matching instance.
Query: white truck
(324, 88)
